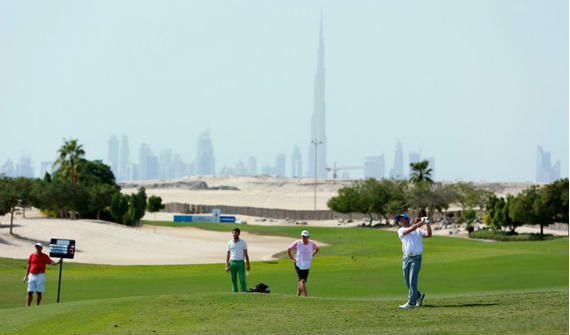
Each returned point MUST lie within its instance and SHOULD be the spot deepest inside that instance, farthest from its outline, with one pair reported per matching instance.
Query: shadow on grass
(460, 305)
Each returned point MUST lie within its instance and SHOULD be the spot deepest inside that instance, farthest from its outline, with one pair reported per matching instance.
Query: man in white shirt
(305, 249)
(236, 252)
(412, 247)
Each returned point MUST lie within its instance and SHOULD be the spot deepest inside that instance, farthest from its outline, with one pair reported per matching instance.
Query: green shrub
(488, 234)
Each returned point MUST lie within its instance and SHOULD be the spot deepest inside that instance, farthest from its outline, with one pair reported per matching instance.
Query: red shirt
(38, 262)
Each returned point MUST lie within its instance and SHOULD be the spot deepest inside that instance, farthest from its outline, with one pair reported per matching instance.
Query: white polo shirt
(412, 243)
(236, 249)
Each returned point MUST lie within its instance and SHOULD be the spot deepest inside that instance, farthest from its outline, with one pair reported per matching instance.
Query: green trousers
(238, 267)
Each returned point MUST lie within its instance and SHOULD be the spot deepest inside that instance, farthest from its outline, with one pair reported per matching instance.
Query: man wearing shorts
(35, 275)
(305, 249)
(412, 247)
(236, 252)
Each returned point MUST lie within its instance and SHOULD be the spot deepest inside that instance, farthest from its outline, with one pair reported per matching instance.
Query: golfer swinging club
(412, 248)
(305, 249)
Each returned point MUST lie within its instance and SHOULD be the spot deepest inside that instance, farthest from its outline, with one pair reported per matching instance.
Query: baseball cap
(39, 244)
(401, 216)
(305, 233)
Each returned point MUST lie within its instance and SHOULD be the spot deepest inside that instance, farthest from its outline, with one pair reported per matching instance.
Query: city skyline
(475, 90)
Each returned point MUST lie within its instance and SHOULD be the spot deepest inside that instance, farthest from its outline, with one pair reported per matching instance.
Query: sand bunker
(108, 243)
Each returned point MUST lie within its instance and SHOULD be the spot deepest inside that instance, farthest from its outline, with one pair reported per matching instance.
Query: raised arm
(414, 227)
(428, 226)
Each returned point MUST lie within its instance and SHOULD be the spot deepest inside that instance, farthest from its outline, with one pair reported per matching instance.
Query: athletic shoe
(406, 305)
(420, 300)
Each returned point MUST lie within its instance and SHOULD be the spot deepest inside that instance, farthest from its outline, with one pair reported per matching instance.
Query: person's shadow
(460, 305)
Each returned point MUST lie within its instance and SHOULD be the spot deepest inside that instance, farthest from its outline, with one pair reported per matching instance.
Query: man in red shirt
(35, 275)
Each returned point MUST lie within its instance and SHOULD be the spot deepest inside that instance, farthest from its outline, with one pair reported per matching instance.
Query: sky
(475, 84)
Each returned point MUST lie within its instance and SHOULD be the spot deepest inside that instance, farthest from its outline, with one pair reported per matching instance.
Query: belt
(413, 254)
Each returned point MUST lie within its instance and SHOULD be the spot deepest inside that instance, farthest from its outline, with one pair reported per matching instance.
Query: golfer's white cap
(305, 233)
(39, 244)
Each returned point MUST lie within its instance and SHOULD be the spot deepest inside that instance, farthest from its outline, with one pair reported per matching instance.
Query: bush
(488, 234)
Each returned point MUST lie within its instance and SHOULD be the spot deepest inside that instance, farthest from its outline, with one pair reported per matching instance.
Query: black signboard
(61, 248)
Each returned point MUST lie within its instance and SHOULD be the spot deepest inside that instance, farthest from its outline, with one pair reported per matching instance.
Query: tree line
(533, 206)
(420, 194)
(78, 188)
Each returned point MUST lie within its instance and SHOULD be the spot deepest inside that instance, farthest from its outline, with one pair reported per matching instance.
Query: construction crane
(335, 169)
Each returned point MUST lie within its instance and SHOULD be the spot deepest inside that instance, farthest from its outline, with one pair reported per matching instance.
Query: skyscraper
(280, 165)
(397, 171)
(318, 119)
(205, 164)
(296, 163)
(374, 167)
(142, 168)
(545, 172)
(113, 154)
(24, 167)
(124, 164)
(165, 164)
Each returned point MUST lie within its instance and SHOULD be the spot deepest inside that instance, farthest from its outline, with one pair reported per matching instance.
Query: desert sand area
(102, 242)
(265, 191)
(437, 228)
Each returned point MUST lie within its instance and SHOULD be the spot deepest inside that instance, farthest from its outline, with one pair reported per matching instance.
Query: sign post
(61, 248)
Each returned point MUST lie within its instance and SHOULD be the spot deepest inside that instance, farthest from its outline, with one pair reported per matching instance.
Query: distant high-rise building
(545, 172)
(397, 172)
(152, 167)
(124, 164)
(318, 119)
(205, 164)
(280, 165)
(165, 164)
(142, 168)
(113, 154)
(24, 168)
(374, 167)
(296, 163)
(251, 166)
(8, 169)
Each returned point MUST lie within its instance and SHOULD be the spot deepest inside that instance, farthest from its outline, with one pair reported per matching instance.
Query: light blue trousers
(411, 267)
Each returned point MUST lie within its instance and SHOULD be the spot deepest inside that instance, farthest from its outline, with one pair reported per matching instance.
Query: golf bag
(260, 288)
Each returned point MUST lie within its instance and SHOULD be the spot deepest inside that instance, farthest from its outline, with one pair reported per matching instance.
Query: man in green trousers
(237, 251)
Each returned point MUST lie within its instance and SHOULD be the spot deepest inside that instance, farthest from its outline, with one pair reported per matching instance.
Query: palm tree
(70, 156)
(420, 172)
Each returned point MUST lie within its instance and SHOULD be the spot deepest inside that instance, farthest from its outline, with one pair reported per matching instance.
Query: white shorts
(36, 282)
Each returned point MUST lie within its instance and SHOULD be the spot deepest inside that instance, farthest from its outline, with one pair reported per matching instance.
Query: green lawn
(355, 286)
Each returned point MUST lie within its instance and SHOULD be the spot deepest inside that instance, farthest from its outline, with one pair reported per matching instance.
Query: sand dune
(108, 243)
(267, 191)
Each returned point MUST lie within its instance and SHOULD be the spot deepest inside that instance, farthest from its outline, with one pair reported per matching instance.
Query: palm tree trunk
(11, 220)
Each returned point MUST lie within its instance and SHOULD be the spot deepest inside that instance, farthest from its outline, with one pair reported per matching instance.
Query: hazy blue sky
(476, 84)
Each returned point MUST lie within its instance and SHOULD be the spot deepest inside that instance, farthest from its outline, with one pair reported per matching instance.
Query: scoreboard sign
(61, 248)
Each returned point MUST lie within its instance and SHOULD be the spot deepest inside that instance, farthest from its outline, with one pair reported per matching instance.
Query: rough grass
(355, 286)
